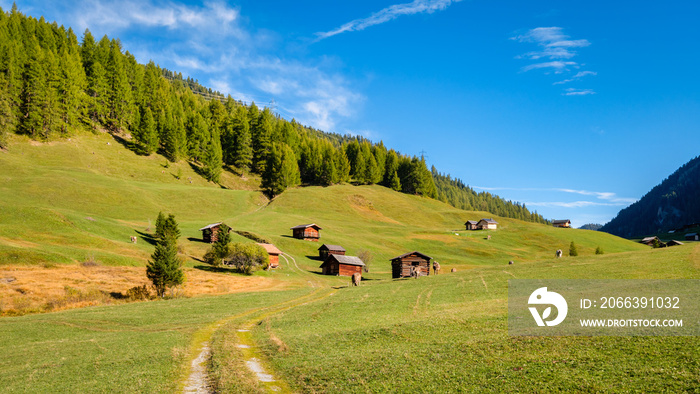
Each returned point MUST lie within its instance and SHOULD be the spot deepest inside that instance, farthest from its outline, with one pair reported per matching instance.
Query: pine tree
(242, 154)
(160, 226)
(262, 140)
(281, 170)
(573, 251)
(34, 95)
(147, 136)
(73, 100)
(329, 173)
(164, 268)
(197, 136)
(7, 118)
(221, 248)
(212, 159)
(342, 165)
(119, 100)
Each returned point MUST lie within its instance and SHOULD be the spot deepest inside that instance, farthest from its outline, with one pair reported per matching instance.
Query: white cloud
(578, 75)
(578, 92)
(609, 198)
(558, 66)
(574, 204)
(612, 197)
(556, 46)
(389, 13)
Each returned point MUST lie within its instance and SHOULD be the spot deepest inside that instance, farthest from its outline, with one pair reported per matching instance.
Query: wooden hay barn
(487, 224)
(340, 265)
(326, 250)
(308, 232)
(471, 224)
(650, 241)
(274, 254)
(210, 233)
(566, 223)
(401, 265)
(692, 237)
(673, 242)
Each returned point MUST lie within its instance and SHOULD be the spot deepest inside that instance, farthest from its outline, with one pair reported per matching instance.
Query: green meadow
(66, 201)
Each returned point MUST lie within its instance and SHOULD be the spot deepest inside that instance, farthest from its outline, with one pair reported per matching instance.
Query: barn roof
(648, 239)
(314, 225)
(488, 221)
(410, 253)
(471, 221)
(349, 260)
(335, 248)
(211, 226)
(561, 221)
(270, 248)
(691, 234)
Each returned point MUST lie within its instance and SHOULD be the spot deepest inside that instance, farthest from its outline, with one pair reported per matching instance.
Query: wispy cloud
(574, 204)
(388, 14)
(578, 75)
(211, 43)
(578, 92)
(559, 49)
(612, 197)
(606, 198)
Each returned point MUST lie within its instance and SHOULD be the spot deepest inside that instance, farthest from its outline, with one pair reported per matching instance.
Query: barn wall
(348, 270)
(274, 261)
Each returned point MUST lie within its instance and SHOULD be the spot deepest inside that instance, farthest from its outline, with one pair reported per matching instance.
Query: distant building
(210, 233)
(471, 224)
(566, 223)
(486, 224)
(650, 241)
(692, 237)
(673, 242)
(401, 265)
(308, 232)
(274, 254)
(326, 249)
(341, 265)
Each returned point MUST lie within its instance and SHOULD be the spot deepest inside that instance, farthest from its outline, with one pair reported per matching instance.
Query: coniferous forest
(54, 84)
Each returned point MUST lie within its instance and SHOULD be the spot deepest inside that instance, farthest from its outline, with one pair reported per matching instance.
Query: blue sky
(575, 108)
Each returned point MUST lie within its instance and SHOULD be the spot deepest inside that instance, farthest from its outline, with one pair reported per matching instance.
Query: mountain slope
(63, 202)
(669, 205)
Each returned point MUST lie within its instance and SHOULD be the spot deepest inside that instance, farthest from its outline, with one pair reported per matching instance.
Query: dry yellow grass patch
(365, 207)
(39, 289)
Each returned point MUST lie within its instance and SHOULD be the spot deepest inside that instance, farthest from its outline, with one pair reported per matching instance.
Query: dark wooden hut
(274, 254)
(326, 249)
(401, 265)
(308, 232)
(692, 237)
(210, 233)
(471, 224)
(338, 264)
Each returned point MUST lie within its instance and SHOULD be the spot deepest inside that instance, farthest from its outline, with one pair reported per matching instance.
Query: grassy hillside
(80, 200)
(449, 333)
(61, 205)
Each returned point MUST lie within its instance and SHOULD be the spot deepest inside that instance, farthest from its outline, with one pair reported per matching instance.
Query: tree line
(53, 85)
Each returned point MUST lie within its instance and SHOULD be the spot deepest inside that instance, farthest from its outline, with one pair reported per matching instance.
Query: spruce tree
(147, 135)
(34, 95)
(262, 140)
(242, 152)
(160, 225)
(212, 159)
(7, 118)
(164, 268)
(281, 170)
(573, 251)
